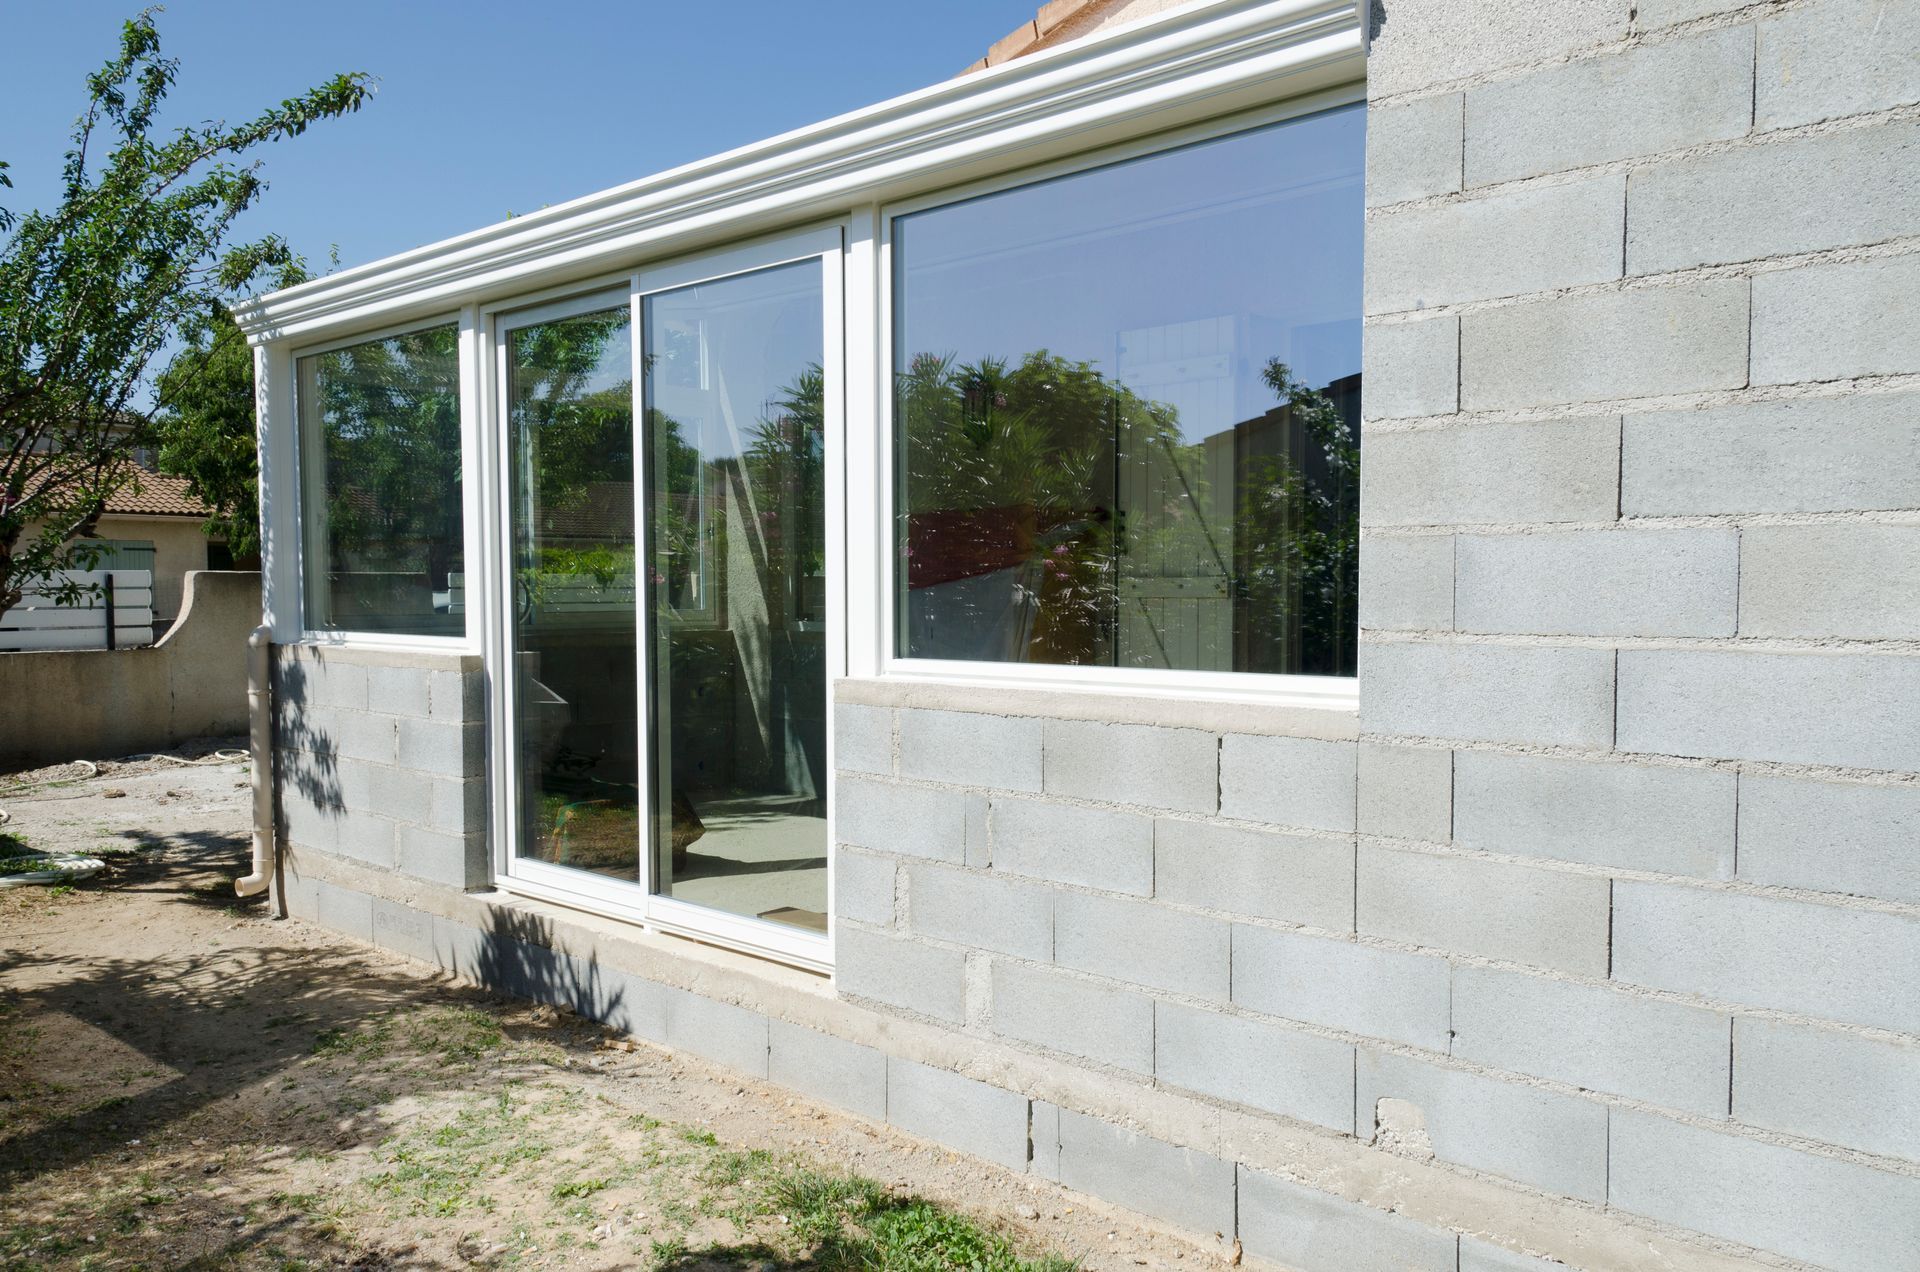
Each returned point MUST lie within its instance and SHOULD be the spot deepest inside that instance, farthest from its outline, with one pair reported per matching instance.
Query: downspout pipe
(260, 741)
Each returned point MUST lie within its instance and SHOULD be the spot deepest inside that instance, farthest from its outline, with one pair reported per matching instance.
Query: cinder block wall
(380, 758)
(1616, 894)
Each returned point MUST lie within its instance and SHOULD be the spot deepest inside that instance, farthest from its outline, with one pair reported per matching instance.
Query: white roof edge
(1200, 51)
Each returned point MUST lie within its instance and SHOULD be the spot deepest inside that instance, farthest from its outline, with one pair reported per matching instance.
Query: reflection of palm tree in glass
(1077, 490)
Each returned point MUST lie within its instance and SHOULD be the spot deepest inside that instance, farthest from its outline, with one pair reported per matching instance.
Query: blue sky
(484, 107)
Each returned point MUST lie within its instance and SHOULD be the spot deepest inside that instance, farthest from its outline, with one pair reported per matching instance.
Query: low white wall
(96, 704)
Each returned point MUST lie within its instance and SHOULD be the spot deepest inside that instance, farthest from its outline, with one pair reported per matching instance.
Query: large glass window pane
(384, 549)
(576, 675)
(736, 540)
(1127, 411)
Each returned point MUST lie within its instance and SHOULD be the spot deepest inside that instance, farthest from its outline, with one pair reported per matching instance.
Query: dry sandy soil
(186, 1082)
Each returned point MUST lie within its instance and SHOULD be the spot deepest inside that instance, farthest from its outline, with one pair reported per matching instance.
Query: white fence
(39, 621)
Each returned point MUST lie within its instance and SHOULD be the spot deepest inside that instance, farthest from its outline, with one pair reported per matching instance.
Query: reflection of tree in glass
(576, 440)
(1075, 484)
(785, 464)
(1014, 467)
(1298, 533)
(393, 453)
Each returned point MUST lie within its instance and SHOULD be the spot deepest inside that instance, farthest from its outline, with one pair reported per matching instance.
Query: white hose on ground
(260, 736)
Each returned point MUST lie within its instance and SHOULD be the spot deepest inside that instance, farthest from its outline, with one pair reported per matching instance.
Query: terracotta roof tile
(154, 494)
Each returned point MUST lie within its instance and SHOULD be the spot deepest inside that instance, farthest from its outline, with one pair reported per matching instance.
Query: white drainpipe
(260, 729)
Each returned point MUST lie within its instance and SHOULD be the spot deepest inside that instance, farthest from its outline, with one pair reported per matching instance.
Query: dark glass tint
(1127, 411)
(380, 485)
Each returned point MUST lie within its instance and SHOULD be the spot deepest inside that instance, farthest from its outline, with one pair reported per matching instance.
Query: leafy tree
(205, 429)
(135, 251)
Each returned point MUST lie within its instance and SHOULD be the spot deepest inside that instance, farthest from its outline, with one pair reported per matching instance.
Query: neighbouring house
(899, 609)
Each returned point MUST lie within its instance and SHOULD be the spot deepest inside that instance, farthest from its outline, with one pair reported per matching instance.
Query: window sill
(1332, 715)
(371, 651)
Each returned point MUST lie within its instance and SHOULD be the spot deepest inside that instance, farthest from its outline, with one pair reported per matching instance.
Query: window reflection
(380, 485)
(576, 681)
(1127, 405)
(736, 538)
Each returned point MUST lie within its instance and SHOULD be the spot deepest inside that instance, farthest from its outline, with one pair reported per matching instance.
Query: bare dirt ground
(186, 1083)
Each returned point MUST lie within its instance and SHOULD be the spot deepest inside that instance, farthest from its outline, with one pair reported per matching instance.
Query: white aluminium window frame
(880, 619)
(308, 556)
(640, 902)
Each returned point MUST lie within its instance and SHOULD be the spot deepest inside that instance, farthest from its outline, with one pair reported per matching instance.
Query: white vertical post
(278, 437)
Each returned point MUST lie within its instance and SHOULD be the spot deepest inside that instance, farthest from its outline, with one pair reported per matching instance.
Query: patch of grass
(700, 1136)
(441, 1170)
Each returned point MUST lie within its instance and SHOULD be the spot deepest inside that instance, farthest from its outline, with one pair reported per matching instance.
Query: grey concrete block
(916, 821)
(456, 805)
(1856, 582)
(1292, 878)
(1493, 474)
(632, 1004)
(1181, 1186)
(458, 697)
(1484, 1256)
(970, 748)
(401, 691)
(1599, 583)
(1258, 1063)
(1133, 764)
(321, 683)
(1831, 962)
(1427, 42)
(368, 837)
(465, 951)
(1552, 1141)
(1686, 338)
(459, 861)
(1546, 918)
(354, 735)
(1086, 846)
(1043, 1140)
(979, 844)
(1413, 149)
(344, 910)
(1143, 944)
(1640, 817)
(1312, 1231)
(1589, 1036)
(1406, 581)
(1488, 693)
(402, 794)
(833, 1070)
(721, 1032)
(1837, 1214)
(1844, 57)
(1841, 1088)
(1406, 792)
(970, 1116)
(1831, 836)
(1857, 710)
(863, 886)
(403, 929)
(922, 978)
(1510, 243)
(1301, 782)
(1654, 14)
(980, 909)
(1798, 194)
(1067, 1013)
(1412, 369)
(1344, 985)
(1830, 454)
(862, 739)
(1639, 101)
(1833, 322)
(451, 750)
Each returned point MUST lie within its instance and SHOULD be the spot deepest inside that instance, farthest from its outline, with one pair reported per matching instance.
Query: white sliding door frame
(643, 902)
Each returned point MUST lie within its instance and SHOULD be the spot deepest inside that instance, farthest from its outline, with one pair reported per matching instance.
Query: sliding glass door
(672, 540)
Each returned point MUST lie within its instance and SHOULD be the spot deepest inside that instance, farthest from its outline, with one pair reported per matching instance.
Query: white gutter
(1194, 62)
(260, 740)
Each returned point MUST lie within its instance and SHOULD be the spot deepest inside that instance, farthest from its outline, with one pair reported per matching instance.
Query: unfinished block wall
(380, 759)
(1615, 894)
